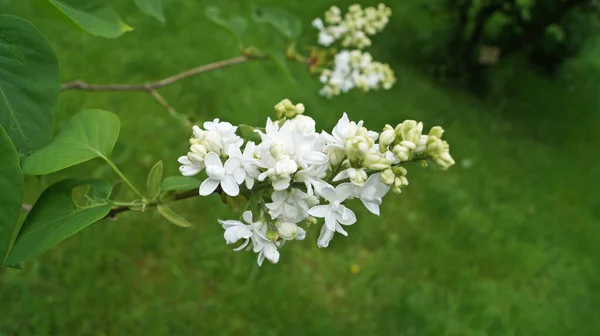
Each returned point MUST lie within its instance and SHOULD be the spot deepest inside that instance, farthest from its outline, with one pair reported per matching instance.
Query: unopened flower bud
(399, 171)
(401, 152)
(422, 144)
(212, 142)
(198, 132)
(375, 162)
(388, 177)
(336, 155)
(408, 144)
(286, 230)
(388, 136)
(436, 131)
(357, 176)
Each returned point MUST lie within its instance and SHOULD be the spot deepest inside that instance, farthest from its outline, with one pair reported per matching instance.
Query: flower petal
(331, 220)
(342, 175)
(339, 229)
(319, 211)
(232, 164)
(346, 217)
(212, 159)
(372, 207)
(271, 253)
(239, 175)
(325, 237)
(247, 216)
(229, 186)
(208, 186)
(184, 160)
(190, 170)
(249, 182)
(241, 247)
(328, 193)
(301, 234)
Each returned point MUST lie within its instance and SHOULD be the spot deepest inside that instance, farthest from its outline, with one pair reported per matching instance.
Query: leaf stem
(125, 179)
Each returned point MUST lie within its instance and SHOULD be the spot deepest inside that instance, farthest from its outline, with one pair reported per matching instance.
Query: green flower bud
(272, 235)
(388, 177)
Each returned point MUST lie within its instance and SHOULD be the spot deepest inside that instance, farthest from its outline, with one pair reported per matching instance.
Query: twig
(123, 208)
(150, 86)
(177, 197)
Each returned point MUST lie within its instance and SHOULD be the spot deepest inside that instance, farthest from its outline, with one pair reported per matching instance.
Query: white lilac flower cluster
(353, 68)
(295, 175)
(354, 29)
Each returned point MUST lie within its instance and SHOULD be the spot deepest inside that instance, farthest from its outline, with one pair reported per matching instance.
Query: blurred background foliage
(504, 243)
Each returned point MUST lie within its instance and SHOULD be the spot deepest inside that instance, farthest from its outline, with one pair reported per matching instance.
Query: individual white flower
(265, 248)
(335, 214)
(236, 230)
(253, 231)
(226, 131)
(220, 175)
(248, 169)
(291, 206)
(370, 194)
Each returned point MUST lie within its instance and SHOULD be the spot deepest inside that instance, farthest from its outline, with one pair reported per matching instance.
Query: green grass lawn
(504, 243)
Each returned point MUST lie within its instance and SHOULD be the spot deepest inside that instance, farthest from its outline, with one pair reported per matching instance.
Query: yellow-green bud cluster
(286, 109)
(437, 149)
(395, 177)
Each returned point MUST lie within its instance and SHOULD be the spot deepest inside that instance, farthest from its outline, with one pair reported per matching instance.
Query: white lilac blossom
(295, 176)
(354, 28)
(353, 68)
(335, 214)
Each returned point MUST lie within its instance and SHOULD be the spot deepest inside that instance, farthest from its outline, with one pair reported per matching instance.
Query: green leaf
(278, 57)
(56, 216)
(29, 84)
(236, 25)
(154, 178)
(286, 22)
(172, 216)
(96, 17)
(153, 8)
(87, 135)
(180, 183)
(11, 197)
(248, 133)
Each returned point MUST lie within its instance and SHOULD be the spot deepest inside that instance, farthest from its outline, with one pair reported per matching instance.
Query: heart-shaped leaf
(180, 183)
(56, 216)
(87, 135)
(153, 8)
(96, 17)
(286, 22)
(154, 177)
(172, 216)
(236, 25)
(29, 84)
(11, 197)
